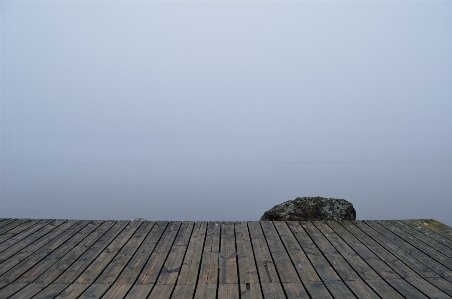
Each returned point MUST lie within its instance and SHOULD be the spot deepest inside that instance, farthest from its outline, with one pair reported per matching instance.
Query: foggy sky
(229, 82)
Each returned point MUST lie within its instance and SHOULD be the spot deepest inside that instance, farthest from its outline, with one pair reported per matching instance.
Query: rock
(311, 208)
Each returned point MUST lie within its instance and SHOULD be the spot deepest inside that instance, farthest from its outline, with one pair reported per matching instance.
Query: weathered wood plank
(29, 291)
(117, 291)
(245, 257)
(436, 227)
(265, 266)
(391, 235)
(138, 261)
(12, 224)
(90, 274)
(428, 232)
(384, 289)
(5, 221)
(228, 291)
(442, 284)
(44, 264)
(11, 288)
(353, 259)
(402, 263)
(51, 291)
(161, 291)
(72, 291)
(95, 290)
(182, 291)
(19, 251)
(228, 257)
(361, 289)
(170, 271)
(295, 290)
(335, 259)
(250, 291)
(428, 245)
(206, 291)
(192, 260)
(426, 287)
(208, 273)
(284, 265)
(339, 289)
(76, 251)
(318, 261)
(139, 291)
(31, 260)
(154, 265)
(364, 252)
(118, 263)
(20, 232)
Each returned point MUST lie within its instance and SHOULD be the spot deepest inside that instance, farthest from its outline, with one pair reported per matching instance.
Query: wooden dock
(48, 258)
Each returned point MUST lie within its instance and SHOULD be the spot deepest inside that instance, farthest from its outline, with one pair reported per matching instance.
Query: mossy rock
(311, 208)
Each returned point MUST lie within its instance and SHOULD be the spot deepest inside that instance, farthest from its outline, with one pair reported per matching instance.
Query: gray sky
(244, 82)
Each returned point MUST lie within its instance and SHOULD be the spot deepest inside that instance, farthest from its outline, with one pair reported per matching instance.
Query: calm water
(221, 191)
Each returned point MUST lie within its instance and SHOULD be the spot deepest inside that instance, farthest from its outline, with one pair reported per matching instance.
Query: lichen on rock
(311, 208)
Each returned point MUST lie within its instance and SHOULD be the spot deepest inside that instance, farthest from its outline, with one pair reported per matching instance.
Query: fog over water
(219, 110)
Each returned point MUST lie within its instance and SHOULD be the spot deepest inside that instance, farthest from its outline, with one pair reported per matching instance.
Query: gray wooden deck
(48, 258)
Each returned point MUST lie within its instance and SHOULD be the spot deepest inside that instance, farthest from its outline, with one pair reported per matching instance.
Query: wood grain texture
(244, 259)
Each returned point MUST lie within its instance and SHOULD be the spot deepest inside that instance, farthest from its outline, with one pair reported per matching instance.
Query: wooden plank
(384, 289)
(29, 291)
(436, 227)
(117, 291)
(138, 261)
(183, 291)
(74, 253)
(361, 289)
(20, 232)
(11, 288)
(429, 246)
(161, 291)
(339, 289)
(228, 291)
(192, 260)
(95, 290)
(353, 259)
(283, 264)
(423, 258)
(5, 221)
(44, 264)
(32, 239)
(250, 291)
(331, 254)
(264, 262)
(139, 291)
(119, 262)
(206, 291)
(270, 283)
(426, 287)
(91, 273)
(245, 256)
(170, 271)
(72, 291)
(208, 273)
(363, 251)
(51, 290)
(318, 261)
(402, 263)
(428, 232)
(442, 284)
(151, 270)
(405, 289)
(78, 267)
(295, 290)
(6, 228)
(31, 260)
(228, 256)
(19, 251)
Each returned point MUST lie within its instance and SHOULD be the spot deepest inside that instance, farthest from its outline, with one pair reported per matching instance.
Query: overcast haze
(219, 110)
